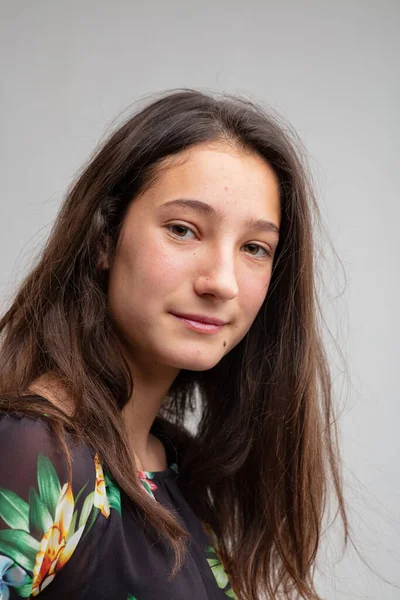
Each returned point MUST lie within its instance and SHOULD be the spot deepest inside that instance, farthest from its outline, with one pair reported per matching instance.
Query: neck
(150, 387)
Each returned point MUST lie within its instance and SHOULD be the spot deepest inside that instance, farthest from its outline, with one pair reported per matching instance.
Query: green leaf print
(71, 529)
(85, 512)
(86, 509)
(48, 484)
(130, 597)
(91, 521)
(20, 546)
(13, 510)
(25, 590)
(113, 493)
(219, 572)
(39, 516)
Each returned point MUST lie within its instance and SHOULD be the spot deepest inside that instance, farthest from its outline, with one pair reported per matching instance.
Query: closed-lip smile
(201, 318)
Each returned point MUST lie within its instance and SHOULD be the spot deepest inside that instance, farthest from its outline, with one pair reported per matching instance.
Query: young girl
(178, 283)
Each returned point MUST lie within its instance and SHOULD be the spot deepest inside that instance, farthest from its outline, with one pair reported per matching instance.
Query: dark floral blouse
(84, 541)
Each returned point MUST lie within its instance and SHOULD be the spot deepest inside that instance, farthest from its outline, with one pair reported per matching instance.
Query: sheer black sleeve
(44, 518)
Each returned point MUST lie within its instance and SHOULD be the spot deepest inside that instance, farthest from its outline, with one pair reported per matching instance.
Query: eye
(266, 251)
(180, 228)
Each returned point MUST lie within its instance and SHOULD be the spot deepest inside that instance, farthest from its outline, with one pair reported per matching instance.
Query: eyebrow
(257, 225)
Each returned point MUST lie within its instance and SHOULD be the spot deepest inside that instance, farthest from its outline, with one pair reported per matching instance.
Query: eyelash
(268, 252)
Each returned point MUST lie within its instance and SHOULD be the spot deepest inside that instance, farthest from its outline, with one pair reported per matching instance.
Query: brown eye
(181, 229)
(257, 247)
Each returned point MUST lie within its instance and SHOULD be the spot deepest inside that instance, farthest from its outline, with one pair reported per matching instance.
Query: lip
(200, 319)
(198, 326)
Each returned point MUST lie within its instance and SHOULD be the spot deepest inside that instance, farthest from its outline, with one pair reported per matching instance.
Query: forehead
(212, 164)
(224, 176)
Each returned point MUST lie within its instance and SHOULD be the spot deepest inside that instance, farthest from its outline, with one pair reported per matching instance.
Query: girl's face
(199, 241)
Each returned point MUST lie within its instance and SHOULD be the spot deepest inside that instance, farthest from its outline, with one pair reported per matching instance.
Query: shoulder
(29, 441)
(24, 431)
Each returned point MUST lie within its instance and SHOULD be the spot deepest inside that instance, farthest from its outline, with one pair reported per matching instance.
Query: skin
(176, 259)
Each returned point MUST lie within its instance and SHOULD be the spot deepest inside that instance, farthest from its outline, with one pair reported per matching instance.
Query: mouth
(200, 323)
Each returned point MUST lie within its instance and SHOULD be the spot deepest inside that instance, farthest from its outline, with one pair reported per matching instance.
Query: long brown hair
(258, 469)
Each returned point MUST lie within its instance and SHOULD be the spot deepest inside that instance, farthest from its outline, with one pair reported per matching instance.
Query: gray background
(330, 68)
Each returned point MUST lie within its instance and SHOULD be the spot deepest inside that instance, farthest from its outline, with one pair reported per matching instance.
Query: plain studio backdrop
(330, 68)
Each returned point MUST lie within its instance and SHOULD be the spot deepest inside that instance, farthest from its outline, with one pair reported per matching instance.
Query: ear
(103, 262)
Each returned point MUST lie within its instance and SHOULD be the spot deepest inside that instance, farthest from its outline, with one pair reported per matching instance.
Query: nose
(219, 280)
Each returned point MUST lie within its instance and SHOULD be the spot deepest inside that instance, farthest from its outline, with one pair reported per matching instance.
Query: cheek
(161, 268)
(152, 269)
(254, 293)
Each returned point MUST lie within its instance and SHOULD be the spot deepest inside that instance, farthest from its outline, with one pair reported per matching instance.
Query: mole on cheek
(224, 344)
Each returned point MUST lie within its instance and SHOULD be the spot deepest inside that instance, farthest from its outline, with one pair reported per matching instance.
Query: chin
(195, 363)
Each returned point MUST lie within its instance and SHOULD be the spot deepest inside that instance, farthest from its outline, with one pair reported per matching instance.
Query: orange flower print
(100, 496)
(55, 550)
(51, 512)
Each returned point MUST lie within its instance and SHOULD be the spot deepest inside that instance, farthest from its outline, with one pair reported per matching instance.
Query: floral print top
(83, 540)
